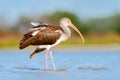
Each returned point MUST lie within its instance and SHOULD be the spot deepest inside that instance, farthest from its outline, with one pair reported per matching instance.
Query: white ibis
(46, 36)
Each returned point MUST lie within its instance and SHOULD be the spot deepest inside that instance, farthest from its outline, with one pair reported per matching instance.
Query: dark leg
(36, 51)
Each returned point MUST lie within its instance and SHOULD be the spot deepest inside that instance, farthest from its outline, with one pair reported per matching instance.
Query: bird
(45, 36)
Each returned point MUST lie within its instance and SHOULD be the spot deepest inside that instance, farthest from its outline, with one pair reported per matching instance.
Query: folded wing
(46, 36)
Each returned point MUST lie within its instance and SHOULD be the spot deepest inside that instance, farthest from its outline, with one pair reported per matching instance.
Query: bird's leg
(46, 60)
(52, 60)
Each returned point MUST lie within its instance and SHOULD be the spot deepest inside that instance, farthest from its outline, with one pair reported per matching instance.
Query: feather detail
(46, 36)
(36, 51)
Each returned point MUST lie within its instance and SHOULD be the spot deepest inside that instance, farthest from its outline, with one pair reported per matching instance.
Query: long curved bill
(74, 28)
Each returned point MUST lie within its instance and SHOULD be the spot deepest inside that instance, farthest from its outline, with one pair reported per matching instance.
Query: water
(73, 64)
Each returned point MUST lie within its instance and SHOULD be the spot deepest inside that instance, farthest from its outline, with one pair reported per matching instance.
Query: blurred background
(97, 59)
(98, 20)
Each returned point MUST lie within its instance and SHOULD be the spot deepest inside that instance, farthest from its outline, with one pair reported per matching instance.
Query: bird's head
(67, 22)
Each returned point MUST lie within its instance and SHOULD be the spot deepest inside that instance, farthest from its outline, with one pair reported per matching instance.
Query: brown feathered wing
(46, 36)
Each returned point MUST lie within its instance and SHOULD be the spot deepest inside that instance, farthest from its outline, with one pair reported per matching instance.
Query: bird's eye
(69, 21)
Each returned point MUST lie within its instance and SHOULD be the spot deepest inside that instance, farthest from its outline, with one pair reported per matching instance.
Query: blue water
(72, 64)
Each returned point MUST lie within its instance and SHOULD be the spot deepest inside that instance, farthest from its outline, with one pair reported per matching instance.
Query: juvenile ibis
(46, 36)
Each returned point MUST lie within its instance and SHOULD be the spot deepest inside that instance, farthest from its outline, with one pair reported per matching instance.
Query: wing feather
(46, 36)
(25, 37)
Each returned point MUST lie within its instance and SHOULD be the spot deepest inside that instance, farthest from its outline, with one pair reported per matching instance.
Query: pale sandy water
(72, 64)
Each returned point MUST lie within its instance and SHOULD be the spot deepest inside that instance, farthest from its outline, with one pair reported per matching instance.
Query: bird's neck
(66, 31)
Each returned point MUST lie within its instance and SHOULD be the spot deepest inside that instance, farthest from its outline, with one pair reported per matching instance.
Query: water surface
(72, 64)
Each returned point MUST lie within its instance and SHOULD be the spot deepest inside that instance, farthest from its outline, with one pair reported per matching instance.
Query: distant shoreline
(99, 47)
(109, 47)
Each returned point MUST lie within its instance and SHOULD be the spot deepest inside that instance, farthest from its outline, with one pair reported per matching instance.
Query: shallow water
(71, 64)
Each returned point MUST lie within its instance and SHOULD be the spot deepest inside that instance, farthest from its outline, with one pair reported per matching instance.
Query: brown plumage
(36, 51)
(46, 36)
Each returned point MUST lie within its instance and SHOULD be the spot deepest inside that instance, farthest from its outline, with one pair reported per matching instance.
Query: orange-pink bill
(74, 28)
